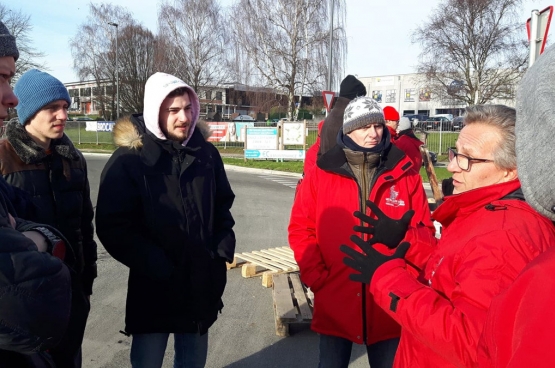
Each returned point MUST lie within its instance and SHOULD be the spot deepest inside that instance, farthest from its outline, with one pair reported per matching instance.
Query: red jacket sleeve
(450, 326)
(302, 234)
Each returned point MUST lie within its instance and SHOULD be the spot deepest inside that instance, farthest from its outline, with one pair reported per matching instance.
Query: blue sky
(378, 32)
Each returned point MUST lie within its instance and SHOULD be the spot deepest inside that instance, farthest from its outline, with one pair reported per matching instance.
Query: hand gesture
(383, 229)
(367, 263)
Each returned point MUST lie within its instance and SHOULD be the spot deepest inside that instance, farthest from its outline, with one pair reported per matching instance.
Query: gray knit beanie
(7, 43)
(535, 134)
(360, 112)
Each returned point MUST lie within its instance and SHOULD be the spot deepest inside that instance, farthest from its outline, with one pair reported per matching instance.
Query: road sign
(328, 99)
(537, 27)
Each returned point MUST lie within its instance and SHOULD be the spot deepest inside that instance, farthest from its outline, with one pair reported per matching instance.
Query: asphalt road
(244, 335)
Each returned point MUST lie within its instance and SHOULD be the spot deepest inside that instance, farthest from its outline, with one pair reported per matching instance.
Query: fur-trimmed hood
(127, 134)
(29, 151)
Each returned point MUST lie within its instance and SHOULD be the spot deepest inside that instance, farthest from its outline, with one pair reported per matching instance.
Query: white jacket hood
(157, 88)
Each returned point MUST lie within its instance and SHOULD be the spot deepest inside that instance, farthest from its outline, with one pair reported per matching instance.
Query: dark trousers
(335, 352)
(67, 354)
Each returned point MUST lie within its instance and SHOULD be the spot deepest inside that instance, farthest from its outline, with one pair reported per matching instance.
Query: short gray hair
(503, 118)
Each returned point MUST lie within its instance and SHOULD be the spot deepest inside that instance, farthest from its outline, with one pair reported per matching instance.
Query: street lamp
(117, 70)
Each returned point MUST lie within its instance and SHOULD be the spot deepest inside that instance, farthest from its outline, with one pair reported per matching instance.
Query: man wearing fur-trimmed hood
(163, 210)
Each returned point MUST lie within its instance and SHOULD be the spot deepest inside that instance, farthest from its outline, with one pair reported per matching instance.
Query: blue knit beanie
(36, 89)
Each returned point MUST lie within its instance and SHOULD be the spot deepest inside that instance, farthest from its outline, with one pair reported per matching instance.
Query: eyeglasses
(464, 161)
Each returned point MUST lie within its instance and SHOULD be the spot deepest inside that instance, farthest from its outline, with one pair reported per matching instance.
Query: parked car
(84, 118)
(246, 118)
(419, 117)
(436, 123)
(458, 123)
(433, 157)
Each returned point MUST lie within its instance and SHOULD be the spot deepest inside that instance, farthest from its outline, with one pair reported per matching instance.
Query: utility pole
(330, 57)
(117, 69)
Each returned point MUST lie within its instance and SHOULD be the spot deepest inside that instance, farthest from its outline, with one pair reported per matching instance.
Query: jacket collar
(30, 152)
(468, 202)
(392, 160)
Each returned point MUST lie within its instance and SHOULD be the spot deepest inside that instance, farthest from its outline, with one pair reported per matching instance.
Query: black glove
(368, 262)
(384, 229)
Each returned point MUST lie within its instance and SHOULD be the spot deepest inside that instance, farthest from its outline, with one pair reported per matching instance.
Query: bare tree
(19, 25)
(137, 56)
(93, 48)
(471, 50)
(287, 42)
(194, 38)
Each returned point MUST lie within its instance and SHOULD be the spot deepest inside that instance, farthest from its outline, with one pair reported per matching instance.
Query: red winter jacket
(486, 242)
(322, 219)
(411, 146)
(520, 329)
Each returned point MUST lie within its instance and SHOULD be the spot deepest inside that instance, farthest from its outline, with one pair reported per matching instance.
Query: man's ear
(511, 174)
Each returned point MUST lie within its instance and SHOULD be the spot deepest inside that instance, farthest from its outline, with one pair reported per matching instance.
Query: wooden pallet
(265, 263)
(293, 302)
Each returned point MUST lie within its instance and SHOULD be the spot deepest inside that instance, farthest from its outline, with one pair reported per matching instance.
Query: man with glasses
(489, 234)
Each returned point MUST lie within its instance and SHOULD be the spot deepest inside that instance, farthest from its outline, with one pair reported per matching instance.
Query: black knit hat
(351, 88)
(7, 43)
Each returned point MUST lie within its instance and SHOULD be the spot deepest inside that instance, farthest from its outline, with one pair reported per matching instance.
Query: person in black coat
(35, 285)
(163, 210)
(39, 159)
(350, 89)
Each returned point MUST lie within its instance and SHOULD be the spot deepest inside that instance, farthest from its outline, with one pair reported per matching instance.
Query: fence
(238, 143)
(90, 131)
(438, 136)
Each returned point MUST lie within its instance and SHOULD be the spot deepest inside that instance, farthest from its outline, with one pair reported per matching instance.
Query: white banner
(99, 126)
(293, 133)
(274, 154)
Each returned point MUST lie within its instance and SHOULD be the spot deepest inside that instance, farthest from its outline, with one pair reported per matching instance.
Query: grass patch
(441, 173)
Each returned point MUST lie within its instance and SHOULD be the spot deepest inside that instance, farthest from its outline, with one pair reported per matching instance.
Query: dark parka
(163, 210)
(35, 292)
(332, 124)
(58, 186)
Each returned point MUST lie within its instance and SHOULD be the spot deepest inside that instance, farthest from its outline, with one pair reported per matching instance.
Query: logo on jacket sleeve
(392, 200)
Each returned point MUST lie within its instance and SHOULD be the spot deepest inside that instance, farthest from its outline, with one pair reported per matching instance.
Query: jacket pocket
(208, 278)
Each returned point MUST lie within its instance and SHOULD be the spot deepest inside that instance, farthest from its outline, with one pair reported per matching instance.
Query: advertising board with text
(262, 138)
(228, 131)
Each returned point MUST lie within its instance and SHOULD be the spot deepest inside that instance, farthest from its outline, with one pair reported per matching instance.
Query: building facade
(216, 102)
(405, 93)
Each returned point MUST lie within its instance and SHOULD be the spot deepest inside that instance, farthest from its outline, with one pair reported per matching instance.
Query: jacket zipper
(48, 164)
(363, 210)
